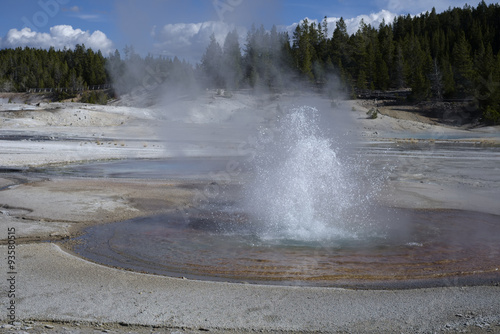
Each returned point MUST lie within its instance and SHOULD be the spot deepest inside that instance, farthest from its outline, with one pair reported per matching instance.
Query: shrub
(491, 116)
(372, 113)
(63, 95)
(95, 98)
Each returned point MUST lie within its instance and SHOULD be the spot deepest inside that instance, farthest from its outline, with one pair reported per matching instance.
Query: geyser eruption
(302, 189)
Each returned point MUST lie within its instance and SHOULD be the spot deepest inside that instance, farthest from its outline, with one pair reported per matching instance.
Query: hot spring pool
(308, 214)
(422, 248)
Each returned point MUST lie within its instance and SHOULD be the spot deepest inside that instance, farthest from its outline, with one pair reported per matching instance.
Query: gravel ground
(56, 286)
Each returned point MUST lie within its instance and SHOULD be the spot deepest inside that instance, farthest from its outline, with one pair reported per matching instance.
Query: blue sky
(173, 27)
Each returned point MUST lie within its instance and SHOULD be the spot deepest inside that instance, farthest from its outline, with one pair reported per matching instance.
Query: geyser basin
(422, 248)
(307, 214)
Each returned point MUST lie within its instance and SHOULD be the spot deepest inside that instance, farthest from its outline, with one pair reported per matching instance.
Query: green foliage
(95, 97)
(212, 64)
(25, 68)
(134, 72)
(232, 59)
(304, 39)
(372, 113)
(491, 116)
(267, 58)
(463, 65)
(452, 55)
(62, 95)
(438, 55)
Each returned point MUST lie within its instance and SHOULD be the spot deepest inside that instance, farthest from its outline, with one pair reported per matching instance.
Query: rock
(49, 326)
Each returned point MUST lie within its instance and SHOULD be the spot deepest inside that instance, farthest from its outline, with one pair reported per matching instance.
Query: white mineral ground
(53, 285)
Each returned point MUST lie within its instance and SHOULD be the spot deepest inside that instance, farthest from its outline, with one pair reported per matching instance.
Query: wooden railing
(66, 89)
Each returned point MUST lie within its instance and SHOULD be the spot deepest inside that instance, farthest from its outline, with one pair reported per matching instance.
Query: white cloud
(74, 9)
(59, 37)
(374, 19)
(416, 7)
(90, 17)
(190, 40)
(412, 7)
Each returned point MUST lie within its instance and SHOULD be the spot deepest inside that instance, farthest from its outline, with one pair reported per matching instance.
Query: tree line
(25, 68)
(132, 71)
(451, 55)
(69, 71)
(448, 55)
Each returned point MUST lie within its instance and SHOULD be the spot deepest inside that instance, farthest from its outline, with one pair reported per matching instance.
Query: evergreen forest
(22, 69)
(453, 55)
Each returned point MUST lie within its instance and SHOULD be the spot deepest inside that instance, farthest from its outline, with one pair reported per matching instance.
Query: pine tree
(381, 73)
(251, 57)
(398, 75)
(361, 80)
(211, 64)
(449, 88)
(418, 66)
(436, 80)
(487, 85)
(339, 44)
(233, 72)
(357, 64)
(303, 49)
(462, 60)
